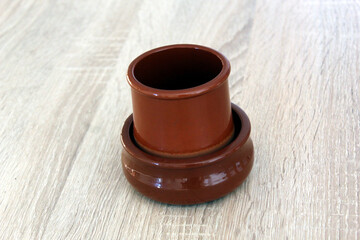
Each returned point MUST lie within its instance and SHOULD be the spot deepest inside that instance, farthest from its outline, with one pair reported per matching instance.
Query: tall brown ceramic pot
(181, 102)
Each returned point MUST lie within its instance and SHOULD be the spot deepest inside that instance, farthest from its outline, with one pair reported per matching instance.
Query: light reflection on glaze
(158, 182)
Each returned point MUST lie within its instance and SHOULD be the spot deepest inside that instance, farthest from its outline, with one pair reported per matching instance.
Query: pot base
(189, 180)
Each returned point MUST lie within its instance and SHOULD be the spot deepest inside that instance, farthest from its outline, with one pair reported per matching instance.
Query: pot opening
(177, 68)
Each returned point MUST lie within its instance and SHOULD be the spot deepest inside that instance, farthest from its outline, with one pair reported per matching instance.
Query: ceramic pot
(181, 102)
(189, 180)
(185, 143)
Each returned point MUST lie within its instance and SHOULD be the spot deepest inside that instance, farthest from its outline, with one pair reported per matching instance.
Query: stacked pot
(185, 142)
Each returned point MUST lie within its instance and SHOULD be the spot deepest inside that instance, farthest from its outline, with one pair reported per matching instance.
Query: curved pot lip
(190, 162)
(180, 93)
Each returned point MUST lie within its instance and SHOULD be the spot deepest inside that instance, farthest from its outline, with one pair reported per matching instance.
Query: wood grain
(64, 97)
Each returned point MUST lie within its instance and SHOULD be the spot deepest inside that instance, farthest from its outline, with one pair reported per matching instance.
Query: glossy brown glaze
(181, 102)
(190, 180)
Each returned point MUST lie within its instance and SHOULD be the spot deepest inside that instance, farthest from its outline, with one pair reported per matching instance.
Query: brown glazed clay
(185, 143)
(181, 103)
(190, 180)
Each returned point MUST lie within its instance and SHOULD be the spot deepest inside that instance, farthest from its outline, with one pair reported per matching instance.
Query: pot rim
(214, 83)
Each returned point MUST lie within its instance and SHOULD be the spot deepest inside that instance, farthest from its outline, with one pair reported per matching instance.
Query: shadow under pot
(185, 142)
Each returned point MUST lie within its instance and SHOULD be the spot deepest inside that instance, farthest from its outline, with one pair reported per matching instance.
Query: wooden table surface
(64, 98)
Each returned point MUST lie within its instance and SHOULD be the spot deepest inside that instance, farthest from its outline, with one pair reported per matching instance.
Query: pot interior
(177, 68)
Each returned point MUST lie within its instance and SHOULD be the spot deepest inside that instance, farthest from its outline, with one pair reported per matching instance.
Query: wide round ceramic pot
(181, 102)
(189, 180)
